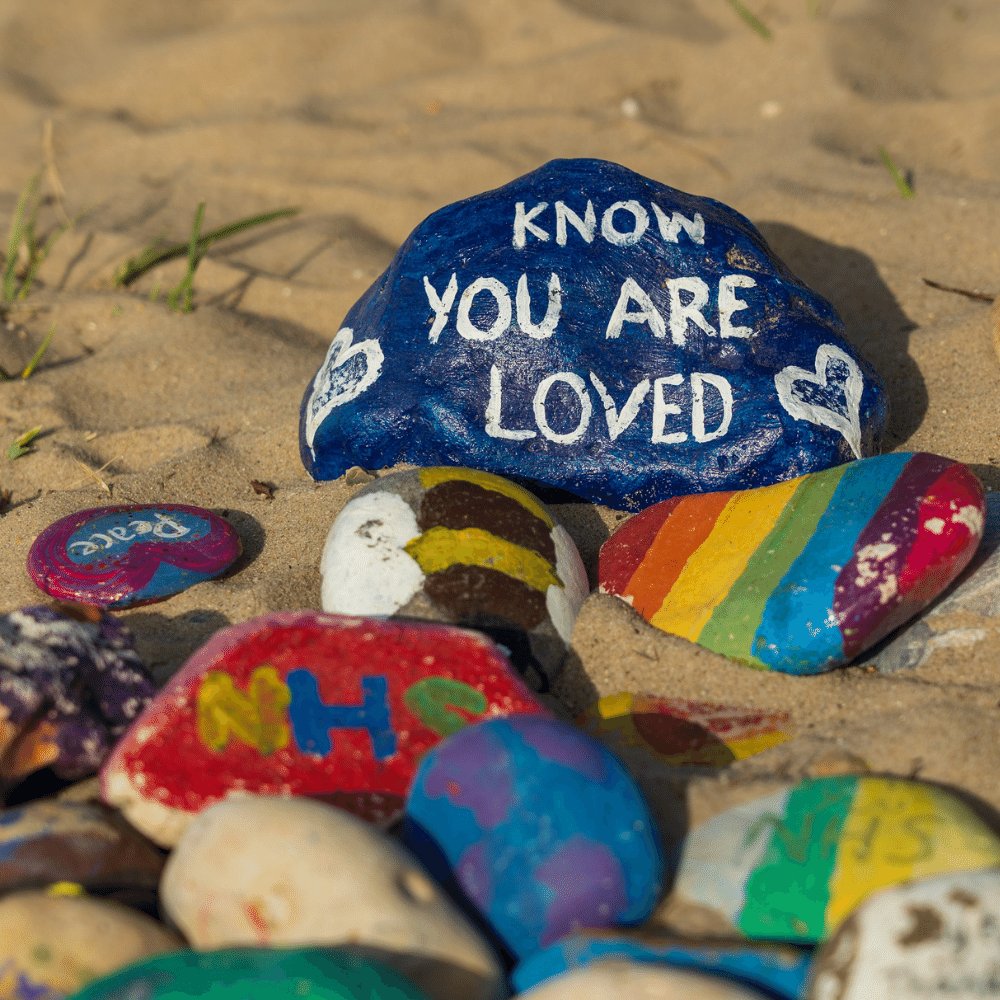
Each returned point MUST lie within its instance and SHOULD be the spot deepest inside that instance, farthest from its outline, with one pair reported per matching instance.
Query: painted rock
(53, 945)
(70, 684)
(303, 703)
(85, 843)
(805, 575)
(792, 866)
(239, 973)
(296, 882)
(679, 732)
(780, 972)
(595, 331)
(540, 827)
(619, 977)
(129, 554)
(463, 547)
(977, 594)
(938, 937)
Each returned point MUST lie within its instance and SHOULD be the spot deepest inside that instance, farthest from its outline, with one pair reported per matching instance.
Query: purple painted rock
(304, 703)
(805, 575)
(463, 547)
(121, 556)
(541, 827)
(70, 684)
(85, 843)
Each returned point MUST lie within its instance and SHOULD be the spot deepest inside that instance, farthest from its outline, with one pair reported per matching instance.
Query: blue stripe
(796, 633)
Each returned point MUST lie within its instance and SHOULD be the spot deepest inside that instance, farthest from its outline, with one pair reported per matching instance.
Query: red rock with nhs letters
(305, 703)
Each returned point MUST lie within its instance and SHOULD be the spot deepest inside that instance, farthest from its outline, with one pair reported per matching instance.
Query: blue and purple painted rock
(541, 828)
(261, 973)
(805, 575)
(121, 556)
(71, 683)
(792, 866)
(779, 971)
(463, 547)
(304, 703)
(589, 329)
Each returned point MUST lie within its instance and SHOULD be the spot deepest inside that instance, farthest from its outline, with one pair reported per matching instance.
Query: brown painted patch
(458, 504)
(477, 596)
(963, 898)
(927, 926)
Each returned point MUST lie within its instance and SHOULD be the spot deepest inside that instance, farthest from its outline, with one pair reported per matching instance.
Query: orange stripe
(678, 539)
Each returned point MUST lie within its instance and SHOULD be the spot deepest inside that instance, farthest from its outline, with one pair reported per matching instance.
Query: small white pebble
(770, 109)
(630, 108)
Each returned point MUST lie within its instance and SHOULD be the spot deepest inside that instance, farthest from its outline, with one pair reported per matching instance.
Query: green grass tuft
(23, 444)
(903, 185)
(29, 368)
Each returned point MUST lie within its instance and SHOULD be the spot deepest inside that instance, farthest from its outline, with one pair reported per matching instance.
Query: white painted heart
(336, 384)
(839, 394)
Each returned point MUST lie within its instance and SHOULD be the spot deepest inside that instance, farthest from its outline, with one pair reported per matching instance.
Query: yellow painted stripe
(429, 478)
(716, 565)
(440, 548)
(897, 831)
(747, 746)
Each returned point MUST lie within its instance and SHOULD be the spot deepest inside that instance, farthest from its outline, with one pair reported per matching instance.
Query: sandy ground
(370, 114)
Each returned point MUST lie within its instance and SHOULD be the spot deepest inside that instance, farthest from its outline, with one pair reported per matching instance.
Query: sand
(370, 115)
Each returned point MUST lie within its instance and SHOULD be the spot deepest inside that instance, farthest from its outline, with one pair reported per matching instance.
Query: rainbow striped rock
(793, 866)
(805, 575)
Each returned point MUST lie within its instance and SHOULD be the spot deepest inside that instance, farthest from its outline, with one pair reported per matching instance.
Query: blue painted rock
(805, 575)
(540, 827)
(463, 547)
(121, 556)
(792, 866)
(53, 945)
(595, 331)
(304, 703)
(622, 978)
(936, 938)
(779, 971)
(85, 843)
(239, 973)
(976, 596)
(70, 684)
(296, 882)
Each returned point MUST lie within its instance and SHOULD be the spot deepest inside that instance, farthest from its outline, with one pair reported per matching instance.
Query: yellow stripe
(750, 745)
(441, 548)
(429, 478)
(717, 563)
(897, 831)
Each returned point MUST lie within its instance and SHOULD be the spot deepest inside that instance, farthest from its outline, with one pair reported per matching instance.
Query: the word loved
(682, 304)
(566, 425)
(164, 527)
(623, 224)
(272, 712)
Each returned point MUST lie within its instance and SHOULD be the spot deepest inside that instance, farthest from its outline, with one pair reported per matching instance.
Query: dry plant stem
(151, 257)
(975, 296)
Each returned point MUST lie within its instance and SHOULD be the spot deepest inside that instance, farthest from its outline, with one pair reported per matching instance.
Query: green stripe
(786, 895)
(735, 621)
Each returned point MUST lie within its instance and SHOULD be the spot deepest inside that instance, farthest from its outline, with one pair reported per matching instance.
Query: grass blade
(181, 298)
(20, 225)
(22, 445)
(751, 19)
(899, 178)
(29, 368)
(153, 256)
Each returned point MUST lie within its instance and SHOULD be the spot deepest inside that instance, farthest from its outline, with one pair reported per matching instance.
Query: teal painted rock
(261, 974)
(792, 866)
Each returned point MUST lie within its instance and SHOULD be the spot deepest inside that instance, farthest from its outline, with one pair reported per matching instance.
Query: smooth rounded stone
(130, 554)
(639, 981)
(936, 938)
(53, 945)
(260, 973)
(464, 547)
(71, 683)
(598, 332)
(792, 866)
(539, 826)
(85, 843)
(778, 971)
(977, 593)
(679, 732)
(805, 575)
(312, 874)
(305, 703)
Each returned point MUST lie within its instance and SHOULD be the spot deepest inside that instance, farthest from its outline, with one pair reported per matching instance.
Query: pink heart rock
(304, 703)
